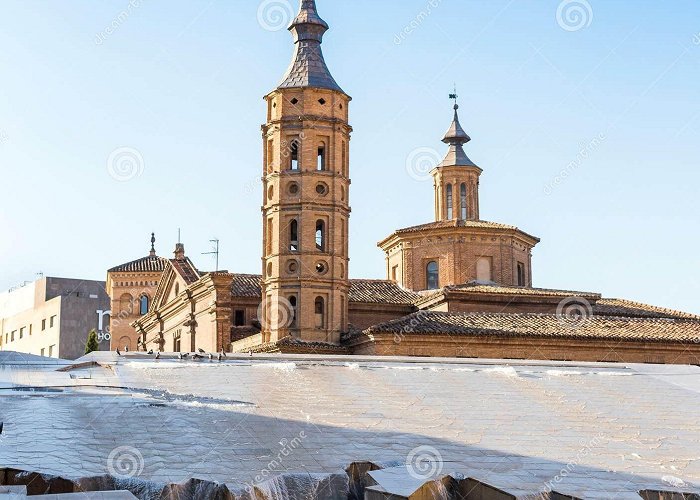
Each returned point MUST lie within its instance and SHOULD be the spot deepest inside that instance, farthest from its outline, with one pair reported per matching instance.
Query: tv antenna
(215, 252)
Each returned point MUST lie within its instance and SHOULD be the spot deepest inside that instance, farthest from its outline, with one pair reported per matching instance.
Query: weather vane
(454, 96)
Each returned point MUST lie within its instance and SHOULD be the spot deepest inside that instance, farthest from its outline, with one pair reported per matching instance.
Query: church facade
(458, 286)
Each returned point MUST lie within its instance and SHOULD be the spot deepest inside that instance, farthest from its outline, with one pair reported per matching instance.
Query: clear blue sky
(182, 83)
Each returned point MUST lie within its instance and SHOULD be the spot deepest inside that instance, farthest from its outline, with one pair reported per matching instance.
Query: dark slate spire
(456, 137)
(308, 68)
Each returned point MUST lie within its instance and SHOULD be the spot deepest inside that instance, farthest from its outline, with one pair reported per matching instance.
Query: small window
(294, 100)
(42, 351)
(394, 273)
(143, 305)
(43, 324)
(448, 197)
(52, 320)
(51, 350)
(294, 155)
(12, 336)
(21, 332)
(521, 274)
(320, 236)
(239, 317)
(432, 276)
(322, 101)
(294, 236)
(321, 158)
(319, 310)
(293, 304)
(463, 201)
(177, 289)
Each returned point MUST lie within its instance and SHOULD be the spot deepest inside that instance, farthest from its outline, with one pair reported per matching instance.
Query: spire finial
(308, 68)
(153, 244)
(456, 137)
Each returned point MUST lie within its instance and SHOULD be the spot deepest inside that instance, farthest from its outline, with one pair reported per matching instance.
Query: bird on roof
(179, 355)
(196, 356)
(200, 350)
(118, 353)
(150, 351)
(1, 426)
(210, 356)
(223, 354)
(126, 348)
(218, 357)
(158, 355)
(251, 353)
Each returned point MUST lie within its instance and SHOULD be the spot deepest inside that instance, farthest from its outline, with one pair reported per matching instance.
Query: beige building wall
(34, 331)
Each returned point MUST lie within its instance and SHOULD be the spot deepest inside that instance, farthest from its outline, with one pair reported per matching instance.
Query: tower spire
(456, 137)
(308, 68)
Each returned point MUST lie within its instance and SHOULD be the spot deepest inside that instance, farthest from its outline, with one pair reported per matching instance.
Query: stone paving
(592, 430)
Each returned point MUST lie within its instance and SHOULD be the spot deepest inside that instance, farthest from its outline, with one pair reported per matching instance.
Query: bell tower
(456, 179)
(306, 195)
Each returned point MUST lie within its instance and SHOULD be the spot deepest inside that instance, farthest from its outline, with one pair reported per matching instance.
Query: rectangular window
(52, 320)
(12, 336)
(51, 350)
(42, 351)
(395, 273)
(521, 274)
(239, 317)
(43, 324)
(21, 332)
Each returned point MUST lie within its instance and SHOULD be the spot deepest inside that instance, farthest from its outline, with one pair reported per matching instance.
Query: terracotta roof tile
(621, 307)
(480, 288)
(185, 268)
(150, 264)
(445, 224)
(544, 326)
(380, 292)
(246, 285)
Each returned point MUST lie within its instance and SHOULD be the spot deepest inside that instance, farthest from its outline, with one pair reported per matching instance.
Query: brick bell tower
(306, 195)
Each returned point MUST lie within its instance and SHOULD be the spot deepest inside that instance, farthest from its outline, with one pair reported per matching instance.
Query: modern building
(459, 286)
(52, 317)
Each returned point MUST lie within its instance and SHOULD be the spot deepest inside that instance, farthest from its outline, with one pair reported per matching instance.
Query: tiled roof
(544, 326)
(246, 285)
(380, 292)
(150, 264)
(510, 290)
(185, 268)
(446, 224)
(621, 307)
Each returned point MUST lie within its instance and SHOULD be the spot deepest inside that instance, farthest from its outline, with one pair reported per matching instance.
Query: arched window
(143, 305)
(432, 281)
(294, 236)
(448, 196)
(293, 304)
(319, 310)
(294, 155)
(463, 201)
(126, 303)
(320, 235)
(321, 159)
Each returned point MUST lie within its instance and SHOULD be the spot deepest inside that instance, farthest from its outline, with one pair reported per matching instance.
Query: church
(458, 286)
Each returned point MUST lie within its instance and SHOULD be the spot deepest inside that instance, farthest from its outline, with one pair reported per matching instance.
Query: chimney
(179, 251)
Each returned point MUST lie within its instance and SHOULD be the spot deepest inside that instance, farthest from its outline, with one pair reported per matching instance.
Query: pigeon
(223, 354)
(150, 351)
(179, 355)
(201, 351)
(1, 426)
(158, 355)
(118, 353)
(126, 348)
(186, 355)
(210, 356)
(218, 357)
(196, 356)
(251, 353)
